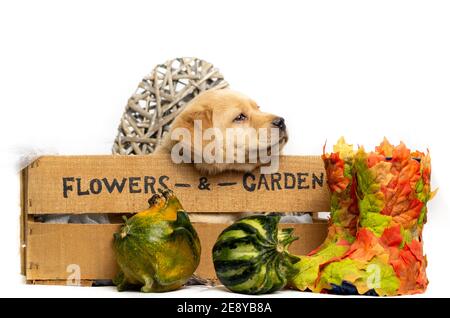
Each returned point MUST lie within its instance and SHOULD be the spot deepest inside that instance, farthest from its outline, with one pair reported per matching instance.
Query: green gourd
(251, 256)
(157, 250)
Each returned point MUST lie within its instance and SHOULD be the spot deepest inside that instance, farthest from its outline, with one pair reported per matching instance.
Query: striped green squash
(251, 257)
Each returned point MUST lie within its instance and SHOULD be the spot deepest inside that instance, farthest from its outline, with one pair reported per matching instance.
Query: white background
(362, 69)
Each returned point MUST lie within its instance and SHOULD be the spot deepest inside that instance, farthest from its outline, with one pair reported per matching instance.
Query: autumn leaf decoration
(339, 166)
(386, 255)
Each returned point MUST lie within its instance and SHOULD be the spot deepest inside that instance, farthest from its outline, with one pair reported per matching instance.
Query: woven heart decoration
(159, 98)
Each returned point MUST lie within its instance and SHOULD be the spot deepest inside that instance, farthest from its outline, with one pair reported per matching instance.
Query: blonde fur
(218, 109)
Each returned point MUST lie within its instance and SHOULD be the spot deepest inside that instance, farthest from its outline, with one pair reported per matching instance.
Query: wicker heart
(159, 98)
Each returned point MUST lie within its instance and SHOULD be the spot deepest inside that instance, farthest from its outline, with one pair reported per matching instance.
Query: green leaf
(374, 274)
(375, 222)
(371, 203)
(308, 266)
(423, 213)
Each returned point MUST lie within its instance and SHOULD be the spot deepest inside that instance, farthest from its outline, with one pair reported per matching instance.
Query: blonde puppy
(222, 110)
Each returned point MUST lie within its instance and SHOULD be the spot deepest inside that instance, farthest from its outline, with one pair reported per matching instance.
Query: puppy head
(241, 123)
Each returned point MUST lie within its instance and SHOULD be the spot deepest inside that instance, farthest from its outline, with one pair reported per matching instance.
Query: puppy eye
(240, 118)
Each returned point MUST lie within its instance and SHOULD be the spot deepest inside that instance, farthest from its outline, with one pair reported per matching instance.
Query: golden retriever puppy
(226, 111)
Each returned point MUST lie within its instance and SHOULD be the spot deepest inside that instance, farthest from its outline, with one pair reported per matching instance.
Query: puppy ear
(204, 116)
(186, 126)
(187, 120)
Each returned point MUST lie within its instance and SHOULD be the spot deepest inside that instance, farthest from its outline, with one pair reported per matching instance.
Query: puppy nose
(279, 122)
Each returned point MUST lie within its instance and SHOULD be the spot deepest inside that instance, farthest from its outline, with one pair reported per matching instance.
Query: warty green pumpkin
(251, 256)
(157, 250)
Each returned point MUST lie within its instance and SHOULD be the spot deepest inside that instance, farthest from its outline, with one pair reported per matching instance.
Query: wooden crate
(123, 184)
